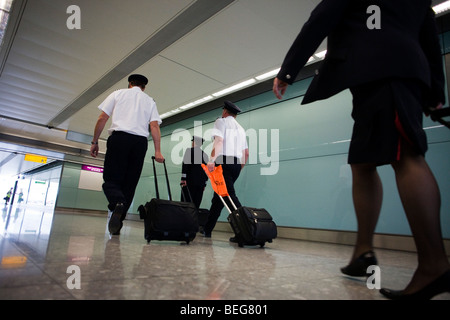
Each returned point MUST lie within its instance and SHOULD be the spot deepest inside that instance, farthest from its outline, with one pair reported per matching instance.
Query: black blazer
(406, 46)
(191, 169)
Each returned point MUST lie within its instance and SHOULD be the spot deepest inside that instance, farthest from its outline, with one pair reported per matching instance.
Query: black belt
(228, 160)
(120, 133)
(123, 133)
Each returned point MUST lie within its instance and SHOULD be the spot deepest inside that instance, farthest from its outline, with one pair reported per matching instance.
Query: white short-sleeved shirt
(131, 110)
(233, 135)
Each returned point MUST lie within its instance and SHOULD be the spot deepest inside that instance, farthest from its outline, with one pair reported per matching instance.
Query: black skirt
(387, 113)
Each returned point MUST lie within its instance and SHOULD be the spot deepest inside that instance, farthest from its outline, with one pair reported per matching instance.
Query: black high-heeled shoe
(438, 286)
(358, 268)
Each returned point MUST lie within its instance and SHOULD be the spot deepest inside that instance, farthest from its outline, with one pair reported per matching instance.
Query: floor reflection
(28, 228)
(20, 220)
(48, 255)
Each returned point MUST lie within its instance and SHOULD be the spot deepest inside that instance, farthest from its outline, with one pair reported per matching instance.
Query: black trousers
(124, 160)
(231, 171)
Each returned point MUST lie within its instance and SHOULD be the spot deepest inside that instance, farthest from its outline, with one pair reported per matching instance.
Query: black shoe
(438, 286)
(117, 233)
(358, 268)
(115, 222)
(233, 239)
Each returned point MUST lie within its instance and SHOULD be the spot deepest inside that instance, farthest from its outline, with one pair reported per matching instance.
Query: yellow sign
(13, 262)
(35, 158)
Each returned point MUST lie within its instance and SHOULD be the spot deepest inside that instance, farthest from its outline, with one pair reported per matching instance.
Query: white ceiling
(56, 77)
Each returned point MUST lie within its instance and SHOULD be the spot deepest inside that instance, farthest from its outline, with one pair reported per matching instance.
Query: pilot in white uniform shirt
(230, 150)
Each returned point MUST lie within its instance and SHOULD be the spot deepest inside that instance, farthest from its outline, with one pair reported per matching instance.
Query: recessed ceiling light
(5, 8)
(235, 87)
(268, 75)
(197, 102)
(442, 7)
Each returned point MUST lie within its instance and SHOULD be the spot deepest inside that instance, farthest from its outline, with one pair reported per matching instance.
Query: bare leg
(421, 201)
(367, 199)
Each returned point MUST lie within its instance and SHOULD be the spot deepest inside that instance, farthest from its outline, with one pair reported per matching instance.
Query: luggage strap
(183, 195)
(439, 114)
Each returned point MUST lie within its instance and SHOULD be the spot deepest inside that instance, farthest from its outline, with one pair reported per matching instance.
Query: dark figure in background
(389, 56)
(8, 196)
(192, 174)
(20, 200)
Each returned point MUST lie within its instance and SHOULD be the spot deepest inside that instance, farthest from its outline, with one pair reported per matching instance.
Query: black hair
(137, 83)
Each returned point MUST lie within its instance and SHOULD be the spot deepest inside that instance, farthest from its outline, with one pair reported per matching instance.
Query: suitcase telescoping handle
(156, 179)
(183, 195)
(225, 204)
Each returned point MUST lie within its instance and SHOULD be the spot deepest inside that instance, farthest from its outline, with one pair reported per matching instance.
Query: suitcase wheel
(262, 244)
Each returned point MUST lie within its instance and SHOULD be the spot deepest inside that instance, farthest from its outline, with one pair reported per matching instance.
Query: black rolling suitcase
(251, 226)
(168, 219)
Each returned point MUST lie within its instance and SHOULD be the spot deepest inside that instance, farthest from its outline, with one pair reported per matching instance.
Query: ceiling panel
(167, 95)
(227, 55)
(244, 40)
(50, 65)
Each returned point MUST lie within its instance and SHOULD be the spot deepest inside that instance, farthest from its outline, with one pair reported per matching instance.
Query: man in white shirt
(132, 113)
(230, 149)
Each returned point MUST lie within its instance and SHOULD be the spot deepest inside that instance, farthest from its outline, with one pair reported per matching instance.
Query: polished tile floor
(72, 257)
